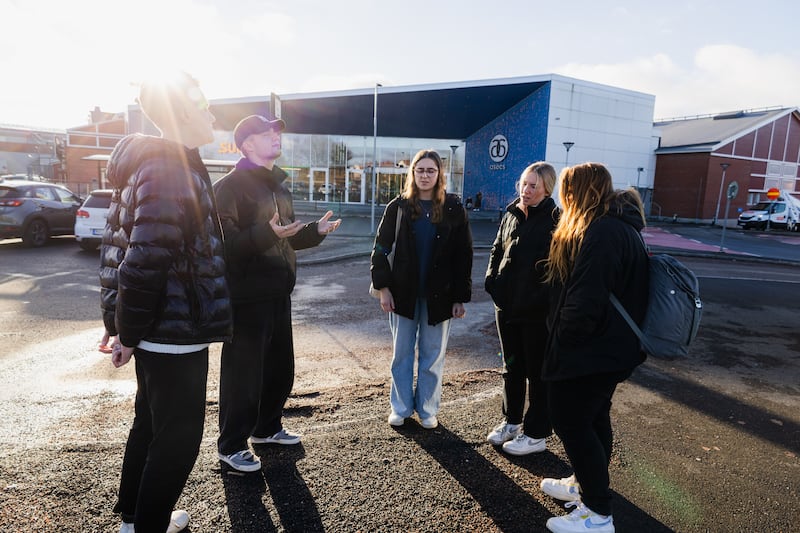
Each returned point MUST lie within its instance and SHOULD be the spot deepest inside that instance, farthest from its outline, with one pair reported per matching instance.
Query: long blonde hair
(411, 192)
(586, 193)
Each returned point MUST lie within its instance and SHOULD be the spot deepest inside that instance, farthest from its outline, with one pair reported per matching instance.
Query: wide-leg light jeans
(408, 337)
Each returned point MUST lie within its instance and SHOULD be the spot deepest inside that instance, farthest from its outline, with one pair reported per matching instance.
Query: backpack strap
(619, 307)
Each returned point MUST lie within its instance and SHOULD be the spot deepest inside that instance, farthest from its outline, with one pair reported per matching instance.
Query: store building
(487, 131)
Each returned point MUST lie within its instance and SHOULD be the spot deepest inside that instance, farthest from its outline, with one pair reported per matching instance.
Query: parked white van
(784, 213)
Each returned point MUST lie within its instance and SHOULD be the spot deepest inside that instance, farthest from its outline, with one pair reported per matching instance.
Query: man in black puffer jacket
(164, 295)
(261, 236)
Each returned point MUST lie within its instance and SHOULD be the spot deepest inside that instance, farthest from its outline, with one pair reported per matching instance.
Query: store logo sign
(498, 150)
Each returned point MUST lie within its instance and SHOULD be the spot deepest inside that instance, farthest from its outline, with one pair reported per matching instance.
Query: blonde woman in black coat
(515, 280)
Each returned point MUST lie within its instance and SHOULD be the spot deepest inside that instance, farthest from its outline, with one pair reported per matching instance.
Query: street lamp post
(453, 148)
(567, 145)
(374, 156)
(719, 198)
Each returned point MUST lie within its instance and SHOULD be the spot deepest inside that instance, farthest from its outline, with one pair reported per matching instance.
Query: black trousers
(580, 410)
(523, 348)
(256, 373)
(165, 437)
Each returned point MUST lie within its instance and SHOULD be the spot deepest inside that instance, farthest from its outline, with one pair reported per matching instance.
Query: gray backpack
(673, 309)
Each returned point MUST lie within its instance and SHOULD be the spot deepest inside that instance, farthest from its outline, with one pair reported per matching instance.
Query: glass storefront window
(336, 168)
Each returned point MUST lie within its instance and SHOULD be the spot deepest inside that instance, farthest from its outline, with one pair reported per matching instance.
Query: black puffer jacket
(588, 336)
(162, 268)
(260, 265)
(514, 275)
(450, 275)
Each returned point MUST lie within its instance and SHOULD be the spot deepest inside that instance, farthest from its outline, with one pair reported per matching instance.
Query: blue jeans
(407, 336)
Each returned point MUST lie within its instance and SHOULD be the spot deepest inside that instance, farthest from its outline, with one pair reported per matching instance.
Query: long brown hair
(586, 193)
(411, 192)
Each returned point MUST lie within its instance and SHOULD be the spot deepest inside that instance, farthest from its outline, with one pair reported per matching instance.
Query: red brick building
(87, 150)
(758, 149)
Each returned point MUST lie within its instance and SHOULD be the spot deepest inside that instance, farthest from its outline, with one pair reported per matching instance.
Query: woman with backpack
(596, 251)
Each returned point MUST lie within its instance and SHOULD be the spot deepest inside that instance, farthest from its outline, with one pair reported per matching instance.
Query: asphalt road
(709, 443)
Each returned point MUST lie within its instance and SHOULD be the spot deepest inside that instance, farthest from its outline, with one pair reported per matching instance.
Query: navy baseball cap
(253, 125)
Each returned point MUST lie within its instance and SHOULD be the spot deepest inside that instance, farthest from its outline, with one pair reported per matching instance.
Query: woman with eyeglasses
(428, 282)
(515, 281)
(596, 251)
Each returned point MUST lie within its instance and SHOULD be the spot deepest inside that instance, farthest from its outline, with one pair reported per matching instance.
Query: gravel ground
(353, 472)
(709, 443)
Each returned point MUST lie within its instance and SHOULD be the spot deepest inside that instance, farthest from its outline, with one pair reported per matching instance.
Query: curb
(332, 259)
(679, 252)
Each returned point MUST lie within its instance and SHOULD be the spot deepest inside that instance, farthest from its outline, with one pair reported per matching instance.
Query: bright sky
(60, 58)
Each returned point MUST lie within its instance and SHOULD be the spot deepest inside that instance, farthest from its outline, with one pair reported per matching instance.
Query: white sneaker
(504, 432)
(523, 445)
(396, 420)
(581, 519)
(566, 489)
(429, 423)
(178, 521)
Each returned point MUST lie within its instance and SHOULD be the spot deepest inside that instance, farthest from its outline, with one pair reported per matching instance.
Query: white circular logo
(498, 148)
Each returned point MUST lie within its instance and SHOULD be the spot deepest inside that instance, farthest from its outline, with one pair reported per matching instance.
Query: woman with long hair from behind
(427, 284)
(596, 251)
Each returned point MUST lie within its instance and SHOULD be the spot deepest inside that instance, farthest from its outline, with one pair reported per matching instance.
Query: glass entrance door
(319, 186)
(356, 190)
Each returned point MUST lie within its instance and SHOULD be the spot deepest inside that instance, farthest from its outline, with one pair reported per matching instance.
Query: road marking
(744, 278)
(29, 276)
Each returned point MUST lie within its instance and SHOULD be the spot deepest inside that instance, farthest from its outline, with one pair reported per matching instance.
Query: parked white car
(90, 220)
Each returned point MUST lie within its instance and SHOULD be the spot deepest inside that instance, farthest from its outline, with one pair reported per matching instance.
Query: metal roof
(436, 111)
(707, 133)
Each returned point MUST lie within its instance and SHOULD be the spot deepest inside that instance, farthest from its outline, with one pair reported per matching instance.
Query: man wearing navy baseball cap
(253, 125)
(261, 236)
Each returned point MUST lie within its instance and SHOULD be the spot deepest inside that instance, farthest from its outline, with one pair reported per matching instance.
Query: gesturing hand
(283, 232)
(325, 226)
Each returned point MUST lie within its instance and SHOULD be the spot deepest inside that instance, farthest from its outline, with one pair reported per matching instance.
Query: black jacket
(588, 336)
(514, 275)
(162, 269)
(260, 265)
(450, 276)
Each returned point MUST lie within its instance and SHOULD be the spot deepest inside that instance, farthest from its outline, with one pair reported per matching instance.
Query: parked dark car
(35, 211)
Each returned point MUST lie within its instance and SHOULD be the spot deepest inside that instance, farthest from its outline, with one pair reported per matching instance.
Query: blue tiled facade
(496, 154)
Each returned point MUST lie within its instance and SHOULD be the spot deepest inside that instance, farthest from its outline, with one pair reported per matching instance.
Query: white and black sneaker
(281, 437)
(243, 461)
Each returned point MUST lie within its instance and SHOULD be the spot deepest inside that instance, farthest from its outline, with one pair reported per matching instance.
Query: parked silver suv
(35, 211)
